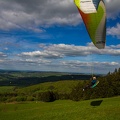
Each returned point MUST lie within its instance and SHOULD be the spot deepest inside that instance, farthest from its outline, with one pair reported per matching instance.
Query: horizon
(30, 71)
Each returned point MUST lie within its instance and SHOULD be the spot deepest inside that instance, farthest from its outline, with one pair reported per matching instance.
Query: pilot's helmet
(94, 78)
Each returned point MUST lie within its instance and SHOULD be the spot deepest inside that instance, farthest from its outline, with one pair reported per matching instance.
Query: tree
(115, 70)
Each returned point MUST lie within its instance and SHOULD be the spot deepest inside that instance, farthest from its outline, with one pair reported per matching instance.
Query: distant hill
(26, 78)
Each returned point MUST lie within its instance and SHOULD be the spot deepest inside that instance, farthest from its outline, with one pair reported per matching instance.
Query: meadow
(94, 109)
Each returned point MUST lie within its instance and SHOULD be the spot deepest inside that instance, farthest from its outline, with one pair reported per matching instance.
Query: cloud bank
(34, 15)
(55, 51)
(62, 57)
(114, 31)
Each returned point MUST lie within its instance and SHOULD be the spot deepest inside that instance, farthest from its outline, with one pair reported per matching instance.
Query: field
(96, 109)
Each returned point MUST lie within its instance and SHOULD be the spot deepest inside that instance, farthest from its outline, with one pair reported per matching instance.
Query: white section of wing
(89, 6)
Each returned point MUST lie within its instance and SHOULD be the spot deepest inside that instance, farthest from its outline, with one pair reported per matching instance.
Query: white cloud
(34, 14)
(2, 54)
(59, 65)
(113, 8)
(90, 67)
(76, 63)
(34, 61)
(60, 57)
(31, 14)
(115, 46)
(17, 14)
(55, 51)
(43, 54)
(114, 31)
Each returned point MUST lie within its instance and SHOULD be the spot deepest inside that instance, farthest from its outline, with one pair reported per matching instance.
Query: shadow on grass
(96, 103)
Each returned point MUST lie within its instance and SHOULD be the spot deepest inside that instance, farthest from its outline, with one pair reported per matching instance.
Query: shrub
(20, 98)
(47, 96)
(30, 98)
(3, 99)
(12, 99)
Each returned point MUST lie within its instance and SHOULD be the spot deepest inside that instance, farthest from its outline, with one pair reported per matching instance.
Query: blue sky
(50, 36)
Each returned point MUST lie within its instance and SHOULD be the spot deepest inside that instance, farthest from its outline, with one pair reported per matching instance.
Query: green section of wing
(95, 19)
(77, 3)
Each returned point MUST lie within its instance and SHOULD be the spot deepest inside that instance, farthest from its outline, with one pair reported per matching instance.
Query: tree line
(108, 86)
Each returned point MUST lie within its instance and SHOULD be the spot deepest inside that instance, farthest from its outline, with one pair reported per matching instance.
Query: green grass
(65, 86)
(109, 109)
(4, 89)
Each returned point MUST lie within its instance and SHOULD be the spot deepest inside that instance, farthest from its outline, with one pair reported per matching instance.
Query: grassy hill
(56, 87)
(62, 89)
(95, 109)
(65, 86)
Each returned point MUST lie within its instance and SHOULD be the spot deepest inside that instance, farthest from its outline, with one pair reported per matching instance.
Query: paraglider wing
(95, 22)
(94, 84)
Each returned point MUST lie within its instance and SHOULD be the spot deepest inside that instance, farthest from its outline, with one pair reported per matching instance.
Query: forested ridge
(108, 86)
